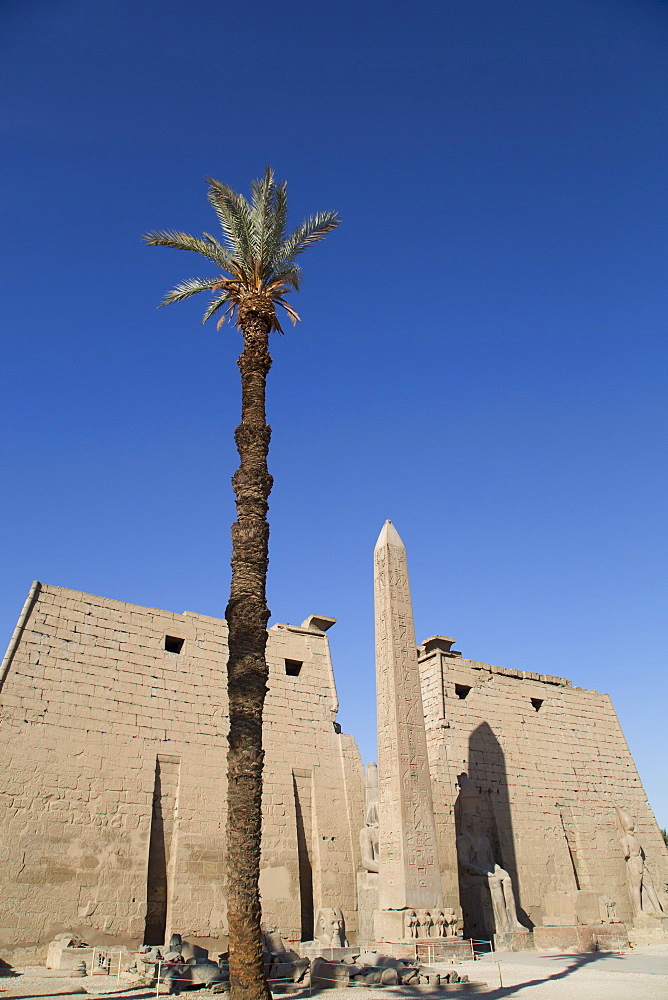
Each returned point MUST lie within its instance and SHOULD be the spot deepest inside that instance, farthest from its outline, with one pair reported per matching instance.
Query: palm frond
(269, 210)
(190, 287)
(312, 229)
(218, 195)
(209, 248)
(289, 274)
(231, 265)
(294, 316)
(216, 303)
(280, 221)
(262, 197)
(234, 215)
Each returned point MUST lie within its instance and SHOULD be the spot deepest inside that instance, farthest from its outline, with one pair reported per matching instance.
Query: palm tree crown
(257, 256)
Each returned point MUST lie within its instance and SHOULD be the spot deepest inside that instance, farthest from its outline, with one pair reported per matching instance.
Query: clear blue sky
(482, 356)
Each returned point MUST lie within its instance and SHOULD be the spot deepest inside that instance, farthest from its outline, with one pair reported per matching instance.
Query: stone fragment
(328, 975)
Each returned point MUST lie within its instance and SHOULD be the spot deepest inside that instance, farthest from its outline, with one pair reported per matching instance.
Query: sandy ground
(638, 975)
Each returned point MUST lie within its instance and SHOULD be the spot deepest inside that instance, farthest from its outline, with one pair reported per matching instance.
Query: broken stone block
(328, 975)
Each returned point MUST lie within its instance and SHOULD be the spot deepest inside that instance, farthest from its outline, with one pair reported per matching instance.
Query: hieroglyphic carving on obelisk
(408, 872)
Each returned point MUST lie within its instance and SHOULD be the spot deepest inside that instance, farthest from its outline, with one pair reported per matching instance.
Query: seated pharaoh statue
(476, 859)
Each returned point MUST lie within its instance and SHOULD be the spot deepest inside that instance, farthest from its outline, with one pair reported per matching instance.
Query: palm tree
(258, 264)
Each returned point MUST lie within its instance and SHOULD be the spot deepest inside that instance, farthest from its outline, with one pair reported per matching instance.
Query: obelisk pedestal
(409, 878)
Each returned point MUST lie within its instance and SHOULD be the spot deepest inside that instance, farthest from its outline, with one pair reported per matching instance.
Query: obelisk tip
(389, 536)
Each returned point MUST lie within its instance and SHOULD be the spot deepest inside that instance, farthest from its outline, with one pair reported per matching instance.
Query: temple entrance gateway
(491, 812)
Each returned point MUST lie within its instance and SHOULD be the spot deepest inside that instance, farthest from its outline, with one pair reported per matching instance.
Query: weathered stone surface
(548, 778)
(611, 937)
(513, 940)
(113, 740)
(409, 872)
(444, 950)
(66, 951)
(577, 907)
(328, 975)
(92, 702)
(569, 939)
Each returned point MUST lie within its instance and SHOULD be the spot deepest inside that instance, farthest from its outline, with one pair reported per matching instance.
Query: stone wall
(551, 763)
(114, 726)
(113, 808)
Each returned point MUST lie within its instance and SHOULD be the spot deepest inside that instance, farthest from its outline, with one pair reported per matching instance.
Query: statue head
(467, 790)
(625, 821)
(330, 927)
(469, 805)
(472, 819)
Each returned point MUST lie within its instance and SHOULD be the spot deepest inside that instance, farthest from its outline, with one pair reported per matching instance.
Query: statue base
(580, 938)
(388, 925)
(313, 949)
(444, 949)
(611, 937)
(648, 930)
(513, 941)
(648, 922)
(426, 951)
(393, 937)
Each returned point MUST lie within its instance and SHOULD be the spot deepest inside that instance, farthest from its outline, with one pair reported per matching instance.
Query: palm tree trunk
(247, 615)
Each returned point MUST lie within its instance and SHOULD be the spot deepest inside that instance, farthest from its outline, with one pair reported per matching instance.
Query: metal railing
(102, 960)
(437, 951)
(481, 947)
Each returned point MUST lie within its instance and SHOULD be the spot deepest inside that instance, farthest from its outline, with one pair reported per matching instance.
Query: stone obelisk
(409, 876)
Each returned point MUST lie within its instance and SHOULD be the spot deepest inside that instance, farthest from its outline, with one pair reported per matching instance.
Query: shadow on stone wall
(487, 771)
(156, 881)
